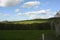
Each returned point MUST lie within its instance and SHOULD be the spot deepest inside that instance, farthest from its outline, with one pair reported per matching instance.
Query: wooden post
(42, 36)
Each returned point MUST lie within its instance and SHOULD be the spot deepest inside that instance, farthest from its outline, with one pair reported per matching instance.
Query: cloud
(17, 10)
(20, 14)
(37, 14)
(4, 15)
(8, 3)
(31, 4)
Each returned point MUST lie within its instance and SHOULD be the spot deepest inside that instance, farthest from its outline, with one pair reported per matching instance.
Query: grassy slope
(23, 34)
(32, 21)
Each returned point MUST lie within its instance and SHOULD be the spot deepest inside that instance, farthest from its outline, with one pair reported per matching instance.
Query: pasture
(24, 34)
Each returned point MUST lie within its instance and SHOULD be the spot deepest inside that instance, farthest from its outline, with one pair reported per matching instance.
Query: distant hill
(35, 24)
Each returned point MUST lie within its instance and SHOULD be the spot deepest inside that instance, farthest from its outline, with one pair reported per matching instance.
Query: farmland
(31, 21)
(26, 30)
(37, 24)
(24, 34)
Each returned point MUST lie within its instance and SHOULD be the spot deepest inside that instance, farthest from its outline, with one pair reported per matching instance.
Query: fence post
(42, 36)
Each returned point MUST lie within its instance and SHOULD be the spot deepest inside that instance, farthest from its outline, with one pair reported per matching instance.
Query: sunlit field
(30, 22)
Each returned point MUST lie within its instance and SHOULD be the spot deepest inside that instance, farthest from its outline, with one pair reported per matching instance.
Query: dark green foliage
(38, 26)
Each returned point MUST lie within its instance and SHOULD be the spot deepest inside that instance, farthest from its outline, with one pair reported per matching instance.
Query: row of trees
(34, 26)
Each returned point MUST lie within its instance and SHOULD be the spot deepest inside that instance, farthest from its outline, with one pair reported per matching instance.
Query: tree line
(34, 26)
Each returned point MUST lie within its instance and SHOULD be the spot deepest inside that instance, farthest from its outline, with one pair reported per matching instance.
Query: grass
(30, 22)
(23, 34)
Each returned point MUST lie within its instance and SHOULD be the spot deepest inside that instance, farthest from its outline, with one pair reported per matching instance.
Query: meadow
(27, 30)
(24, 34)
(36, 24)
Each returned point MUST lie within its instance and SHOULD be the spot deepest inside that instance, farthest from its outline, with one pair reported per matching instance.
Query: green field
(23, 34)
(31, 21)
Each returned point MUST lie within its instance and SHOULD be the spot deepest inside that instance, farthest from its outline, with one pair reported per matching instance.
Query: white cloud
(0, 14)
(17, 10)
(4, 15)
(7, 3)
(31, 4)
(37, 14)
(19, 14)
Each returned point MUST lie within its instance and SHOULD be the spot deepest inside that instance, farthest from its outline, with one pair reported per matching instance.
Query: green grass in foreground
(23, 34)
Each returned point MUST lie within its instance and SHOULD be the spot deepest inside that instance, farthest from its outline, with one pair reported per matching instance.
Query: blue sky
(14, 10)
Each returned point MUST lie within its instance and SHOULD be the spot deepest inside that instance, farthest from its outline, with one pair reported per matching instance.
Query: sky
(16, 10)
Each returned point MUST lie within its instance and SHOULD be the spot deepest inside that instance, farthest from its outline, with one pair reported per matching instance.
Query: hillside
(31, 21)
(36, 24)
